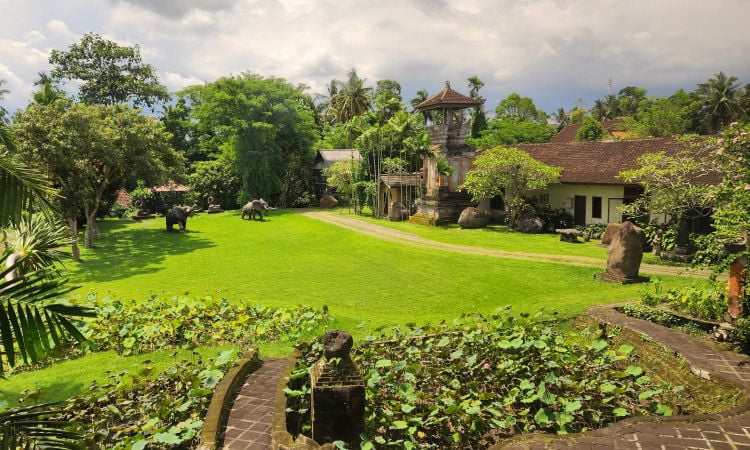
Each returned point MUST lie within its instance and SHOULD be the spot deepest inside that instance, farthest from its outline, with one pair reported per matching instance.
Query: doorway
(579, 210)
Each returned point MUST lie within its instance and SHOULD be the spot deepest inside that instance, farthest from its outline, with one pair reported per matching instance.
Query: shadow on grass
(135, 251)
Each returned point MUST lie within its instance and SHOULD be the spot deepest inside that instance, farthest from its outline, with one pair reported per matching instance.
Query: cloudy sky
(555, 51)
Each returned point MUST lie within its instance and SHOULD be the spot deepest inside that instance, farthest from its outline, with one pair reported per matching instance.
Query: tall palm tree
(475, 84)
(48, 92)
(352, 98)
(419, 97)
(2, 97)
(720, 101)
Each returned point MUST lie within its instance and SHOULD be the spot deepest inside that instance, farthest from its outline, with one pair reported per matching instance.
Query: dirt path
(389, 234)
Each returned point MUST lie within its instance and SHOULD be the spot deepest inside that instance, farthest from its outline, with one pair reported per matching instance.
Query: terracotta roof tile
(448, 97)
(599, 162)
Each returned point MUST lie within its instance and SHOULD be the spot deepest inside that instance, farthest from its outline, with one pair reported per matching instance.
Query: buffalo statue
(178, 215)
(254, 207)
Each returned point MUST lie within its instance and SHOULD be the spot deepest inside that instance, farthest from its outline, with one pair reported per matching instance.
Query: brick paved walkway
(711, 432)
(249, 423)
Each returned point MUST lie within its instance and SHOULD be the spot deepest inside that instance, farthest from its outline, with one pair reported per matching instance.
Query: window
(544, 199)
(596, 207)
(496, 203)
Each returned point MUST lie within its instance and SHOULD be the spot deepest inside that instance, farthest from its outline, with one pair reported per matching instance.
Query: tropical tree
(36, 240)
(505, 132)
(732, 215)
(3, 92)
(509, 173)
(109, 73)
(90, 151)
(419, 97)
(48, 91)
(264, 126)
(31, 324)
(663, 118)
(590, 130)
(720, 98)
(478, 117)
(352, 98)
(387, 99)
(561, 117)
(517, 108)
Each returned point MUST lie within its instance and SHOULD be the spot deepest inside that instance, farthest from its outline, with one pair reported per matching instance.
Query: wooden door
(579, 210)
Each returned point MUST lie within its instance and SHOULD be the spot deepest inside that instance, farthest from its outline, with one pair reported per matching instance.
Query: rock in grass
(625, 253)
(529, 223)
(328, 202)
(473, 218)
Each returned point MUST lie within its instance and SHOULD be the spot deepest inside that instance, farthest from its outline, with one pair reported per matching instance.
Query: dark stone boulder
(610, 232)
(398, 212)
(625, 253)
(529, 223)
(473, 218)
(337, 344)
(328, 202)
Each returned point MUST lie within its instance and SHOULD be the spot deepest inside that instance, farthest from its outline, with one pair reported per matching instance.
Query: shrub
(709, 250)
(741, 333)
(182, 322)
(217, 179)
(553, 218)
(702, 302)
(590, 130)
(593, 230)
(450, 386)
(130, 411)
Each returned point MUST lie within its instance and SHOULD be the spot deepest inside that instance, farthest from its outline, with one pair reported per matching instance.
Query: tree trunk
(73, 226)
(90, 234)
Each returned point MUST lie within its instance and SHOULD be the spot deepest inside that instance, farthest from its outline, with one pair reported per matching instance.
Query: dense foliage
(486, 377)
(505, 132)
(702, 302)
(132, 328)
(137, 410)
(509, 173)
(590, 130)
(217, 179)
(265, 126)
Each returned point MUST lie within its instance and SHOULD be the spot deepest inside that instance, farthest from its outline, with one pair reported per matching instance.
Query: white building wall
(561, 196)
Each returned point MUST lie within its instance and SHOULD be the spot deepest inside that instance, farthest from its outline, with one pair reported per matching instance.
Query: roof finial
(448, 84)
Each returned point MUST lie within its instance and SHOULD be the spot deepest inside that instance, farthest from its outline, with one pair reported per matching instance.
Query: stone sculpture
(337, 344)
(178, 216)
(624, 255)
(398, 212)
(472, 218)
(254, 207)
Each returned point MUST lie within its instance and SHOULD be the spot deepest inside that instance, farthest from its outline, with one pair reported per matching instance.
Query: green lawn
(290, 259)
(500, 237)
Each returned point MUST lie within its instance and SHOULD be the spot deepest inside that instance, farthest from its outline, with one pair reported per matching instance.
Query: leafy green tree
(218, 179)
(352, 98)
(629, 100)
(661, 119)
(577, 115)
(265, 126)
(89, 151)
(516, 109)
(509, 173)
(48, 91)
(341, 175)
(720, 97)
(176, 120)
(590, 130)
(561, 117)
(478, 117)
(672, 185)
(504, 132)
(732, 215)
(108, 72)
(387, 99)
(419, 97)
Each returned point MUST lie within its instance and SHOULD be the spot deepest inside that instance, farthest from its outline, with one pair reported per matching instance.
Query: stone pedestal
(338, 393)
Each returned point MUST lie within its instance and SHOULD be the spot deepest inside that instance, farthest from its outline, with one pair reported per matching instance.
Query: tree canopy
(262, 124)
(590, 130)
(109, 73)
(516, 108)
(504, 132)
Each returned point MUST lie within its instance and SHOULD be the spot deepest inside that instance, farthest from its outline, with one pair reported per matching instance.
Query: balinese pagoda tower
(448, 122)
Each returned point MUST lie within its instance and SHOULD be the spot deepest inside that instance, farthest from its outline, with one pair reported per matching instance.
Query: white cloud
(552, 50)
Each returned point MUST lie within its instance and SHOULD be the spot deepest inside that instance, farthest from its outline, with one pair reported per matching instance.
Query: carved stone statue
(337, 344)
(178, 216)
(254, 207)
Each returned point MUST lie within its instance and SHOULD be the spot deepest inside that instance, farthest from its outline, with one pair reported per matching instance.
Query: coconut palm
(720, 98)
(48, 92)
(475, 84)
(421, 96)
(352, 98)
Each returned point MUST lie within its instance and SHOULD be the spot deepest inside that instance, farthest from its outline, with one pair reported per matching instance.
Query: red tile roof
(449, 98)
(599, 162)
(568, 133)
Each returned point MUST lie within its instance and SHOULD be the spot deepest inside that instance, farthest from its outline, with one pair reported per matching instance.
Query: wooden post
(736, 288)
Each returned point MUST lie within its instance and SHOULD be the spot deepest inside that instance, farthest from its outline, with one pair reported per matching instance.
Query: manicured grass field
(289, 260)
(500, 237)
